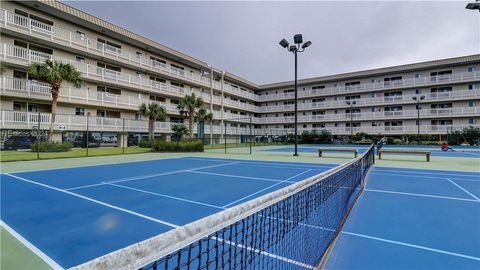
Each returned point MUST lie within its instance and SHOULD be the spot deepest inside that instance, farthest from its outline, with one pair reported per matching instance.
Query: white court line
(268, 254)
(389, 241)
(148, 176)
(421, 195)
(269, 187)
(273, 164)
(167, 196)
(439, 177)
(414, 246)
(466, 191)
(30, 246)
(408, 171)
(95, 201)
(156, 220)
(238, 176)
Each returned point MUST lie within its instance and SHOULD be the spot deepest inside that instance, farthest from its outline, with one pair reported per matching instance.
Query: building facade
(122, 70)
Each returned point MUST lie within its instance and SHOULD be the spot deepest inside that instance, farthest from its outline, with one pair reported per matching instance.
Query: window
(110, 44)
(472, 103)
(471, 87)
(156, 62)
(139, 55)
(80, 35)
(174, 101)
(352, 97)
(288, 91)
(304, 126)
(17, 106)
(318, 87)
(80, 59)
(138, 116)
(157, 98)
(373, 109)
(471, 69)
(79, 111)
(418, 91)
(288, 126)
(315, 100)
(472, 121)
(19, 74)
(177, 120)
(318, 125)
(418, 76)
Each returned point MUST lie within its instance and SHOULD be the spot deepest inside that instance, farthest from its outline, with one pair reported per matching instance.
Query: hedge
(51, 146)
(182, 146)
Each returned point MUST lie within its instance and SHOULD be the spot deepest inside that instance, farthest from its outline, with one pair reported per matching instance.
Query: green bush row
(51, 146)
(173, 146)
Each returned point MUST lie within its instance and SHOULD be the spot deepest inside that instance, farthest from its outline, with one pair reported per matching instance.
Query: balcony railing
(18, 22)
(383, 130)
(30, 120)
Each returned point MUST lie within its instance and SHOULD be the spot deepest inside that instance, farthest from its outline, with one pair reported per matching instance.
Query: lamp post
(351, 103)
(474, 5)
(297, 48)
(418, 113)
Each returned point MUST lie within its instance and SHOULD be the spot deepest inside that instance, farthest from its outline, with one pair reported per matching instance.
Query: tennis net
(291, 228)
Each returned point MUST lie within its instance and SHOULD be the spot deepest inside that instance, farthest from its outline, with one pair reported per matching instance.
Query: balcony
(19, 23)
(378, 130)
(30, 120)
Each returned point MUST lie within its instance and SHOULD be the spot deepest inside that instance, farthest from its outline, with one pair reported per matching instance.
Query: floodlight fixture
(306, 44)
(284, 43)
(292, 48)
(298, 39)
(473, 5)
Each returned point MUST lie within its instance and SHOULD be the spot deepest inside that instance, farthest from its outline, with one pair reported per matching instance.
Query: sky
(242, 37)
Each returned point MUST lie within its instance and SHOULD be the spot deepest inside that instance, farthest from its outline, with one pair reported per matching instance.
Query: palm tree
(192, 107)
(154, 112)
(179, 130)
(203, 116)
(55, 73)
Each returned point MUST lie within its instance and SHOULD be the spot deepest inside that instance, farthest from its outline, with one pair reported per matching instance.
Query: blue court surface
(412, 219)
(78, 214)
(468, 152)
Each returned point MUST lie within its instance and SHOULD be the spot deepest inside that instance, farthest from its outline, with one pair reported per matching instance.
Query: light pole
(351, 103)
(297, 48)
(474, 5)
(418, 113)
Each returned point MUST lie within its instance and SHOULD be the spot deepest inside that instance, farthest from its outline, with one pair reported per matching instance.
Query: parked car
(15, 143)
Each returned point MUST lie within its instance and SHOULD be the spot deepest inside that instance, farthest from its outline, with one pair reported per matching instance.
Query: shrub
(398, 141)
(51, 146)
(144, 144)
(173, 146)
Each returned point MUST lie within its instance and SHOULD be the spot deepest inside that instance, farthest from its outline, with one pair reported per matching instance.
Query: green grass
(14, 255)
(13, 155)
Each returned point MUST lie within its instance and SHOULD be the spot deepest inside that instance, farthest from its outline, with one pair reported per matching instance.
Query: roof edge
(377, 71)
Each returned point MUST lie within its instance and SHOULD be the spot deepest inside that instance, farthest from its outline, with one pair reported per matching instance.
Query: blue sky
(242, 37)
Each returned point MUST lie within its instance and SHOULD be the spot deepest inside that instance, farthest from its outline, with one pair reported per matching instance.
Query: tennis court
(75, 215)
(413, 219)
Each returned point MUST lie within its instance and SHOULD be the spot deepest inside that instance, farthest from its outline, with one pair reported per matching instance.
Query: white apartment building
(121, 70)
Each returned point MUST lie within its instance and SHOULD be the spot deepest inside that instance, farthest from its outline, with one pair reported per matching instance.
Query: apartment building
(121, 70)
